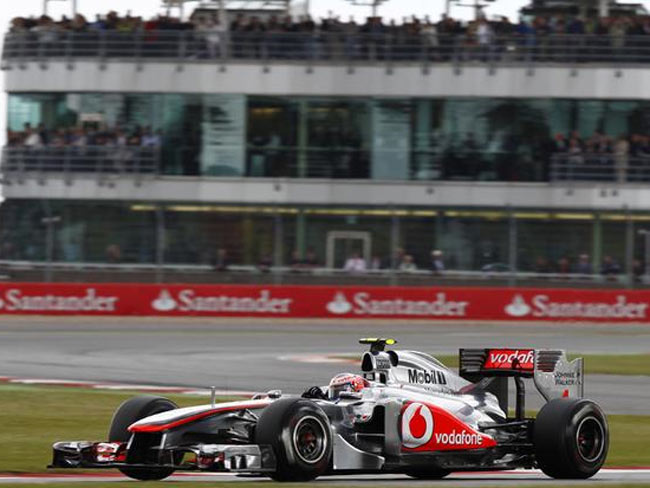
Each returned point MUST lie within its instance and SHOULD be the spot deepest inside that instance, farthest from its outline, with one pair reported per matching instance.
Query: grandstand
(240, 144)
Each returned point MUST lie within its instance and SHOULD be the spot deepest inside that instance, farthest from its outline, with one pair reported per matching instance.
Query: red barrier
(325, 301)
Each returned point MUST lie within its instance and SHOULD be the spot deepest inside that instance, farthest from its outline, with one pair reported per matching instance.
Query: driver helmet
(346, 382)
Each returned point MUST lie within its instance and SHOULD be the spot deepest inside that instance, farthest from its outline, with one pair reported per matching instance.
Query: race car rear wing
(554, 376)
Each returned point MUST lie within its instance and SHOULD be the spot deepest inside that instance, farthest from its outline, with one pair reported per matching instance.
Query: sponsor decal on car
(188, 300)
(427, 427)
(16, 300)
(423, 377)
(363, 303)
(510, 359)
(417, 425)
(566, 378)
(542, 306)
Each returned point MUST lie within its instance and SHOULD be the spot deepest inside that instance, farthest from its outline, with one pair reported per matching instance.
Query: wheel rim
(310, 439)
(590, 439)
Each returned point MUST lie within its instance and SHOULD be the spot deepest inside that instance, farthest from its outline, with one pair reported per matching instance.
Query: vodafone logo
(506, 358)
(417, 425)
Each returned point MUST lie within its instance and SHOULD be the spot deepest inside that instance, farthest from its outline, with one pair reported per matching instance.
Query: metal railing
(103, 161)
(197, 46)
(89, 271)
(613, 168)
(19, 162)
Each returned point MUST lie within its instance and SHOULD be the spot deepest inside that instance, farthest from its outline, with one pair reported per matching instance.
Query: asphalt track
(259, 355)
(506, 478)
(268, 354)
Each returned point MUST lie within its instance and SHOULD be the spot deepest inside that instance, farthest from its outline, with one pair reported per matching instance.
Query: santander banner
(435, 303)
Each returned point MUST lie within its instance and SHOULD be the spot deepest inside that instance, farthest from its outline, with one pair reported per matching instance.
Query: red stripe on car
(193, 418)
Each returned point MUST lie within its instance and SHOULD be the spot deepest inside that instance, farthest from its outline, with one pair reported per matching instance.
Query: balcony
(354, 49)
(139, 162)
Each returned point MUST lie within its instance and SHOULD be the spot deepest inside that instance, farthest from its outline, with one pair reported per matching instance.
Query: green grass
(623, 364)
(33, 418)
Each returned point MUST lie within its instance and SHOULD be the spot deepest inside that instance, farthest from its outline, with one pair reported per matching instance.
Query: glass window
(553, 245)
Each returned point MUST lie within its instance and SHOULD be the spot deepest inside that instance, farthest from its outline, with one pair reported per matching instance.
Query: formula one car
(404, 413)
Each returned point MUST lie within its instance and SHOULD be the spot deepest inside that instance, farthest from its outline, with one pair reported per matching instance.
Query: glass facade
(488, 240)
(338, 137)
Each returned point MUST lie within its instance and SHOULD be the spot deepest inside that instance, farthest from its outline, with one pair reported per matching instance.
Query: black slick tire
(571, 438)
(131, 411)
(427, 474)
(299, 433)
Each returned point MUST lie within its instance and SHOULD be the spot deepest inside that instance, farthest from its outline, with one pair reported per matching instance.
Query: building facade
(260, 159)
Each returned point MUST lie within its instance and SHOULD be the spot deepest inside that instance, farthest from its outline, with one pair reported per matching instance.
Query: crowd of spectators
(627, 157)
(411, 35)
(82, 136)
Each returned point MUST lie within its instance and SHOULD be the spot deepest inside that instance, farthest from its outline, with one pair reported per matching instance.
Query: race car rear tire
(571, 438)
(299, 433)
(427, 474)
(131, 411)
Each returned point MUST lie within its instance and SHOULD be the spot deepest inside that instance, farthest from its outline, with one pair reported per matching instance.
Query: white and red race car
(405, 412)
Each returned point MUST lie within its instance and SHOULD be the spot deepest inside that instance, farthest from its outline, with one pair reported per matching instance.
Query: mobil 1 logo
(423, 377)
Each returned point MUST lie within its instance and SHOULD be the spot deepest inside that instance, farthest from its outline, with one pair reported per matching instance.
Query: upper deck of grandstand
(209, 37)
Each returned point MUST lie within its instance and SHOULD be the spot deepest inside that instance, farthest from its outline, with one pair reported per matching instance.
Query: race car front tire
(427, 474)
(129, 412)
(300, 434)
(571, 438)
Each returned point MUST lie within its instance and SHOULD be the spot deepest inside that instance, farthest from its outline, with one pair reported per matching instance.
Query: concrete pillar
(423, 113)
(597, 244)
(303, 139)
(512, 247)
(278, 236)
(301, 233)
(603, 8)
(629, 250)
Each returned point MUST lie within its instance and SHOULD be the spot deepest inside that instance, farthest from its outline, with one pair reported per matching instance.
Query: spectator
(296, 262)
(397, 259)
(563, 266)
(311, 260)
(638, 270)
(437, 264)
(220, 261)
(265, 263)
(355, 264)
(621, 158)
(150, 138)
(610, 267)
(113, 254)
(542, 265)
(583, 266)
(31, 137)
(408, 264)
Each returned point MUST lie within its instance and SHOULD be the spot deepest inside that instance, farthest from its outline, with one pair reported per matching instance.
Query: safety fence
(196, 46)
(102, 161)
(20, 162)
(359, 302)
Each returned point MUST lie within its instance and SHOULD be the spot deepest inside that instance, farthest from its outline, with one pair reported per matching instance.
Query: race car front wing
(205, 457)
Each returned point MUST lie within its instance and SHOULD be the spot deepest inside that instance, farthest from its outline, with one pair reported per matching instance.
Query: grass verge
(33, 418)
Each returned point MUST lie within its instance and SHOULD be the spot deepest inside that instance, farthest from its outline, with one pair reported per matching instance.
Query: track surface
(509, 478)
(247, 354)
